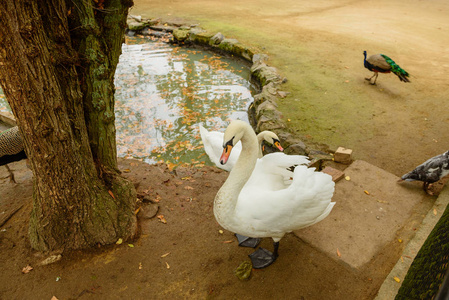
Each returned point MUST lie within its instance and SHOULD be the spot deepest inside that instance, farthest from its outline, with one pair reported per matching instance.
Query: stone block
(343, 155)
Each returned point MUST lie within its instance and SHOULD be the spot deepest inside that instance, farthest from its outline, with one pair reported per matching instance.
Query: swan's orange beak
(225, 155)
(278, 145)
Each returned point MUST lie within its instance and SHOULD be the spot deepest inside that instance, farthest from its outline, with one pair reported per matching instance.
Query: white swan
(256, 204)
(212, 141)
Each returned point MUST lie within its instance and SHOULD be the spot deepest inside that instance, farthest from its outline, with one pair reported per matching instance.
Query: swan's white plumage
(264, 202)
(213, 146)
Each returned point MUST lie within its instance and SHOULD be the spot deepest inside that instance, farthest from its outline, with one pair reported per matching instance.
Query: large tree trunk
(58, 78)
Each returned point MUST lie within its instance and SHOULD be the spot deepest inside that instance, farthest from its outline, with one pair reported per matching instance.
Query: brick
(336, 174)
(343, 155)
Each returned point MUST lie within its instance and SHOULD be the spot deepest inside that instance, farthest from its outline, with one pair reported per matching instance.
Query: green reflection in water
(4, 106)
(164, 92)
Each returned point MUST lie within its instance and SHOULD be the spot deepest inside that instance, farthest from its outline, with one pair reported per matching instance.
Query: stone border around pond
(263, 113)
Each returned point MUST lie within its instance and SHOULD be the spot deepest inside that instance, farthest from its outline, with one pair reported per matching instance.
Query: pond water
(164, 92)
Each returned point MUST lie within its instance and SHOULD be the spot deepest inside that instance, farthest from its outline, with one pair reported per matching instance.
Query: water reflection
(164, 92)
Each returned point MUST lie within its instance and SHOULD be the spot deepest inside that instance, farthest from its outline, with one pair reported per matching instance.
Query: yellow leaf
(168, 266)
(220, 231)
(140, 266)
(27, 269)
(435, 211)
(119, 241)
(162, 219)
(396, 279)
(399, 240)
(130, 245)
(366, 192)
(112, 195)
(338, 253)
(347, 178)
(165, 255)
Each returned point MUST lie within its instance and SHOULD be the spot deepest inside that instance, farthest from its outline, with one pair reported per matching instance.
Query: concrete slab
(371, 207)
(390, 287)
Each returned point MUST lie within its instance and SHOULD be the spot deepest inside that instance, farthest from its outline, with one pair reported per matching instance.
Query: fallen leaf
(137, 210)
(119, 241)
(140, 266)
(347, 178)
(165, 255)
(162, 219)
(435, 211)
(220, 231)
(402, 259)
(396, 279)
(399, 240)
(366, 192)
(168, 266)
(130, 245)
(127, 170)
(338, 253)
(27, 269)
(227, 242)
(112, 195)
(243, 272)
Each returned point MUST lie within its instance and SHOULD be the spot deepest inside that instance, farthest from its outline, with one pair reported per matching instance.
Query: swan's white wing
(304, 202)
(213, 145)
(273, 172)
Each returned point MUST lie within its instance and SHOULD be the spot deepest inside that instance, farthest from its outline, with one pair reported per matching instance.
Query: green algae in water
(164, 92)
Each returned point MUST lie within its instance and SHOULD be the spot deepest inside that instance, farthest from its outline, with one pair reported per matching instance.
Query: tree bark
(58, 79)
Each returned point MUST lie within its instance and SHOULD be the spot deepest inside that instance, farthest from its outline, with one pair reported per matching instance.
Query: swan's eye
(229, 143)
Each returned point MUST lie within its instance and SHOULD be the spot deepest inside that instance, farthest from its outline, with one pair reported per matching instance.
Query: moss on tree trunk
(58, 61)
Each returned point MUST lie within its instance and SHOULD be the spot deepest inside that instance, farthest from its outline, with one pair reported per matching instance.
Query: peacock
(380, 63)
(11, 148)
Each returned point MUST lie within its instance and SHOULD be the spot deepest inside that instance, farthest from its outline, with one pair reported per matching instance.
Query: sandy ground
(318, 46)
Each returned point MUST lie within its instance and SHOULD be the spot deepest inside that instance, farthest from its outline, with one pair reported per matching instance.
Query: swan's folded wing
(305, 202)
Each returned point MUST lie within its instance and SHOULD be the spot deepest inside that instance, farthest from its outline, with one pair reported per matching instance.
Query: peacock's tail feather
(396, 69)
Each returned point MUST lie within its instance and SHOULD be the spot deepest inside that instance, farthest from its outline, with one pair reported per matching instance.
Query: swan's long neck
(227, 196)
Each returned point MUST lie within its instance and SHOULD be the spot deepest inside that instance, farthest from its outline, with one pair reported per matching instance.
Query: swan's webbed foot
(245, 241)
(262, 258)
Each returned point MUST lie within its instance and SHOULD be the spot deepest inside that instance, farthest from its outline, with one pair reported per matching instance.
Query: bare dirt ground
(318, 46)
